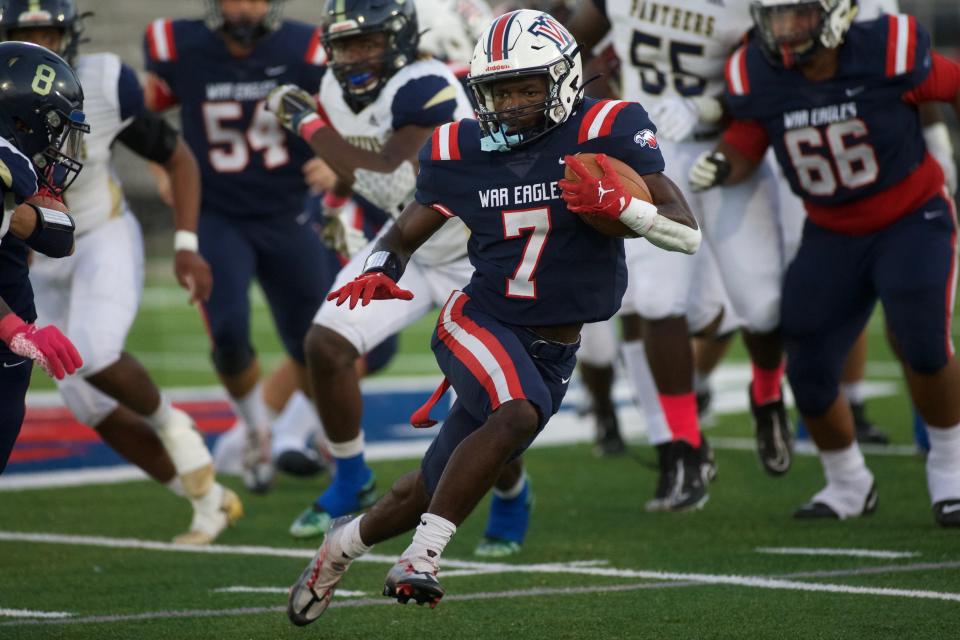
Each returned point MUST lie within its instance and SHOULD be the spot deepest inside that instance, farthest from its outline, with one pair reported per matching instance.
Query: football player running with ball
(41, 128)
(380, 102)
(839, 105)
(507, 342)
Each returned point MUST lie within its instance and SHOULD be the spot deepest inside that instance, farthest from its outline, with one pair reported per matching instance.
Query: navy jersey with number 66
(249, 165)
(536, 263)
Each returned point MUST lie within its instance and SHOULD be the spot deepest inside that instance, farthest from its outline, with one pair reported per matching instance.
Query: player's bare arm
(389, 258)
(669, 200)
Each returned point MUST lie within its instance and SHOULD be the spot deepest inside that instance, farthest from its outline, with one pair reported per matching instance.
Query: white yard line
(832, 551)
(29, 613)
(341, 593)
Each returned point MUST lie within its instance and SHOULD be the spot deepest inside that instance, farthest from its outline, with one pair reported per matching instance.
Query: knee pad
(381, 355)
(814, 385)
(925, 354)
(88, 404)
(232, 360)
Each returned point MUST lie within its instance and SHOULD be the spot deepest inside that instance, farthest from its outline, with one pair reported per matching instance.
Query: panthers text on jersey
(851, 147)
(18, 181)
(249, 165)
(112, 98)
(536, 263)
(424, 94)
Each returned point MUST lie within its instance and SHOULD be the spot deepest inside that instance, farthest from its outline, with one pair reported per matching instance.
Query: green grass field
(594, 565)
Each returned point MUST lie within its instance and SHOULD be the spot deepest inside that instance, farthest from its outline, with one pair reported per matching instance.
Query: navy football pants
(286, 256)
(14, 380)
(832, 286)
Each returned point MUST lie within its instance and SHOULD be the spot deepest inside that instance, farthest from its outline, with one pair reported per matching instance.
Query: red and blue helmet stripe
(498, 43)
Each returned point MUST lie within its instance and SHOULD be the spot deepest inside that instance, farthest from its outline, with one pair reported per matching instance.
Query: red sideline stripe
(492, 344)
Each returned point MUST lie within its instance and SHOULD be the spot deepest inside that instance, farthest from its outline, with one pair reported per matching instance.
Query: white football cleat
(213, 513)
(311, 594)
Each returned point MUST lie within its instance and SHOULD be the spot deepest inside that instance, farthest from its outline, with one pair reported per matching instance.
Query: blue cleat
(507, 524)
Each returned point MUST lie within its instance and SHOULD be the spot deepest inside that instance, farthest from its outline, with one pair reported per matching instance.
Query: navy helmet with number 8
(41, 111)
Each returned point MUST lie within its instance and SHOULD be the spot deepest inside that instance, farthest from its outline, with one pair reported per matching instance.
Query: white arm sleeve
(661, 231)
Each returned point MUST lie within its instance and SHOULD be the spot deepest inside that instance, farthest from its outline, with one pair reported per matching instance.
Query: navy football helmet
(243, 31)
(41, 111)
(33, 14)
(396, 19)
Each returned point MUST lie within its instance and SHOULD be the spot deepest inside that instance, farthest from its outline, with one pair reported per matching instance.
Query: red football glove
(47, 346)
(369, 286)
(605, 196)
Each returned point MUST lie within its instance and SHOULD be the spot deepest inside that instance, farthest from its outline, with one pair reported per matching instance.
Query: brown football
(631, 180)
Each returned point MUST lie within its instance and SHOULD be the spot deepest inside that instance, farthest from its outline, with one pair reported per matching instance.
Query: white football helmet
(791, 31)
(449, 28)
(526, 43)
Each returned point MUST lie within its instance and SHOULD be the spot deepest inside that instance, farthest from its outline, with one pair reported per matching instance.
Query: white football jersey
(96, 196)
(675, 47)
(372, 127)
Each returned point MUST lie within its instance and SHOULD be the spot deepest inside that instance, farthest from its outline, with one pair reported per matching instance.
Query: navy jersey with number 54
(536, 263)
(851, 146)
(249, 165)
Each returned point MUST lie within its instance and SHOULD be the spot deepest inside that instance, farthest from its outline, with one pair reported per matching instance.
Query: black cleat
(667, 468)
(774, 437)
(303, 464)
(820, 510)
(405, 583)
(947, 513)
(689, 492)
(867, 432)
(608, 442)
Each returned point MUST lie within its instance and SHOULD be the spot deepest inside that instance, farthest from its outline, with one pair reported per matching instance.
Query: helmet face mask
(41, 111)
(244, 30)
(354, 24)
(21, 15)
(519, 45)
(792, 32)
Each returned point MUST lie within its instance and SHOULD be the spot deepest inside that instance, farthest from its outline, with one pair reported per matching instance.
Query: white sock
(645, 392)
(253, 409)
(854, 392)
(431, 538)
(347, 449)
(513, 491)
(848, 481)
(159, 418)
(943, 464)
(294, 426)
(351, 543)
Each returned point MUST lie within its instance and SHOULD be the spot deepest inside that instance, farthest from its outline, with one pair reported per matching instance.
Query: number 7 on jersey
(535, 222)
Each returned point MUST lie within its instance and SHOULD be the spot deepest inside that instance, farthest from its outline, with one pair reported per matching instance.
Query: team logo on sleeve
(645, 138)
(551, 30)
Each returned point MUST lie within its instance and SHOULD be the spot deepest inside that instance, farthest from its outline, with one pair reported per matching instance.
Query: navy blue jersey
(17, 183)
(846, 139)
(250, 166)
(536, 263)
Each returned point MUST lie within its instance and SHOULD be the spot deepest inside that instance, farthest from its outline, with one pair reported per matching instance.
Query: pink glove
(47, 346)
(369, 286)
(604, 196)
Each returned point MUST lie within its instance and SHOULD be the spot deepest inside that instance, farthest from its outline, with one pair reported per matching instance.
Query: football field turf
(94, 561)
